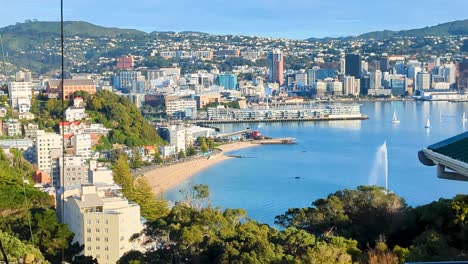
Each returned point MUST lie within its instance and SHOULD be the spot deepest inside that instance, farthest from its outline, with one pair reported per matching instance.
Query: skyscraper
(353, 65)
(275, 62)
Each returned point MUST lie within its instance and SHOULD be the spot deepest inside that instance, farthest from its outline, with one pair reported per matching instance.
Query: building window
(106, 248)
(98, 248)
(97, 230)
(106, 230)
(89, 248)
(106, 239)
(88, 230)
(88, 239)
(98, 239)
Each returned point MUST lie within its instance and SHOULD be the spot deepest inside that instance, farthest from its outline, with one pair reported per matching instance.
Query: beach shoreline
(164, 178)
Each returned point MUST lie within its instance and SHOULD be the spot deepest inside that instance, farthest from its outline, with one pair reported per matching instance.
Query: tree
(122, 175)
(16, 250)
(152, 207)
(157, 158)
(181, 155)
(211, 144)
(191, 151)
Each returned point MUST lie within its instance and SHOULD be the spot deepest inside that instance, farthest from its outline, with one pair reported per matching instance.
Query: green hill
(454, 28)
(123, 117)
(71, 28)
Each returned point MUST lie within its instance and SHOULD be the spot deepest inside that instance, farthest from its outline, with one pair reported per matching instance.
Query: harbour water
(333, 155)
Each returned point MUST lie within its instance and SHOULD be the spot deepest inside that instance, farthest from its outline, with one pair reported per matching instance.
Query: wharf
(304, 119)
(275, 141)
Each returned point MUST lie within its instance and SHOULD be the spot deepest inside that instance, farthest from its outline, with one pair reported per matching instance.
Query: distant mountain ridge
(459, 27)
(70, 28)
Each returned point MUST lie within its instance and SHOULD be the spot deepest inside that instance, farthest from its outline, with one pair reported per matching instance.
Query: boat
(464, 117)
(428, 124)
(395, 119)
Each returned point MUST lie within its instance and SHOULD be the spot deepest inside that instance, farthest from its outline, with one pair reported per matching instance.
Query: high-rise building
(353, 65)
(75, 172)
(20, 95)
(449, 73)
(423, 81)
(335, 88)
(228, 81)
(23, 76)
(276, 62)
(82, 145)
(463, 75)
(129, 78)
(103, 221)
(384, 64)
(365, 85)
(376, 79)
(348, 85)
(48, 152)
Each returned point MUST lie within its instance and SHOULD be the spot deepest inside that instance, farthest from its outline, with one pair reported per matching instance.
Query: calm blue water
(331, 156)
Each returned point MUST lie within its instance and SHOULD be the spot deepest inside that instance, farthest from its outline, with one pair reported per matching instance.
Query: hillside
(454, 28)
(124, 118)
(71, 28)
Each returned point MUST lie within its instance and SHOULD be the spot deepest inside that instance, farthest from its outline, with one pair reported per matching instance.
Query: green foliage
(209, 235)
(139, 191)
(157, 158)
(122, 175)
(124, 118)
(363, 214)
(191, 151)
(15, 249)
(181, 155)
(104, 144)
(152, 207)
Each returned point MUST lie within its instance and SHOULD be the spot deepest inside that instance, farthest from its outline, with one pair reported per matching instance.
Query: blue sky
(277, 18)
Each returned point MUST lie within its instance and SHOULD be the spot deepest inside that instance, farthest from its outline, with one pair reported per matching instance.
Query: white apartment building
(74, 114)
(13, 128)
(103, 221)
(48, 145)
(82, 145)
(180, 105)
(167, 151)
(20, 94)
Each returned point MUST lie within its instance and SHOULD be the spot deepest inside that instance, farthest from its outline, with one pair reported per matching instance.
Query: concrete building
(30, 130)
(182, 108)
(23, 76)
(423, 81)
(335, 88)
(103, 221)
(70, 87)
(167, 151)
(12, 127)
(82, 145)
(48, 150)
(320, 88)
(74, 114)
(276, 67)
(376, 79)
(74, 170)
(20, 95)
(127, 79)
(351, 86)
(125, 63)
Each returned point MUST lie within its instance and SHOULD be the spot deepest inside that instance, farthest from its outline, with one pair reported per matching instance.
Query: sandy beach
(164, 178)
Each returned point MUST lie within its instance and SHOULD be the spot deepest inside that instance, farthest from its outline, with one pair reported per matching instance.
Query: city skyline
(299, 20)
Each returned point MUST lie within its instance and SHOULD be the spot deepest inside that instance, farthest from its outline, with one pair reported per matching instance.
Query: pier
(302, 119)
(275, 141)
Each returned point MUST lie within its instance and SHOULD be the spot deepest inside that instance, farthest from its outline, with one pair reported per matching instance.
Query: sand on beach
(164, 178)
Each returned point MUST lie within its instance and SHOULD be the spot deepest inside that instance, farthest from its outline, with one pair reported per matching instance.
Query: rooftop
(450, 156)
(455, 147)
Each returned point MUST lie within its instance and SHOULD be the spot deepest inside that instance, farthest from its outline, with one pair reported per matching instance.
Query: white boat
(464, 117)
(395, 119)
(428, 124)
